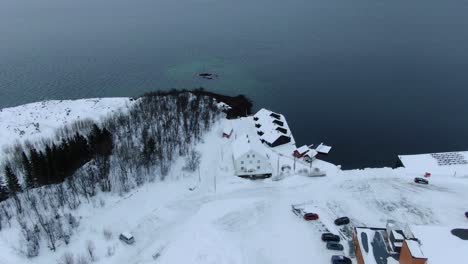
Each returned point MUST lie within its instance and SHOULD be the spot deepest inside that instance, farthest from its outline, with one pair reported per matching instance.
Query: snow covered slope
(36, 120)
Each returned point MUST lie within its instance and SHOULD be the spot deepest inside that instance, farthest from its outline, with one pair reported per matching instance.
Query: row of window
(242, 168)
(258, 161)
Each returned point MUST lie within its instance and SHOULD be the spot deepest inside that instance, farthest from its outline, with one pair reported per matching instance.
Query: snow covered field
(226, 219)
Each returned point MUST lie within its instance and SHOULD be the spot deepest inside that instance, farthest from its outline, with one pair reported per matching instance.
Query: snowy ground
(246, 221)
(37, 120)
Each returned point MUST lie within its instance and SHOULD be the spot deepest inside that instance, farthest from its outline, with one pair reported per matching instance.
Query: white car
(127, 237)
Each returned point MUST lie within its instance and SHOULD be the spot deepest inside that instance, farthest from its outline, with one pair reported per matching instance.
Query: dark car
(340, 260)
(342, 221)
(311, 216)
(421, 181)
(334, 246)
(330, 237)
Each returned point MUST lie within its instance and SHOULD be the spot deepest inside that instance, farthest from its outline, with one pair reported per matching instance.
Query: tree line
(55, 162)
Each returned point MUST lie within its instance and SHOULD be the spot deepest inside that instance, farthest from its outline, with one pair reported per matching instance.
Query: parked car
(127, 237)
(330, 237)
(342, 221)
(334, 246)
(311, 216)
(337, 259)
(421, 180)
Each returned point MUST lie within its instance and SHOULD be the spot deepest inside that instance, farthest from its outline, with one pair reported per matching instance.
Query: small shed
(323, 149)
(301, 152)
(228, 130)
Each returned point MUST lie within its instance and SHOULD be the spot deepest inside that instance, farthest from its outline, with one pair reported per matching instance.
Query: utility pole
(277, 167)
(294, 164)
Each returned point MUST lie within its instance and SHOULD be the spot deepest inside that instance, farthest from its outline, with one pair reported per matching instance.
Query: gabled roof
(244, 144)
(414, 248)
(323, 148)
(445, 163)
(270, 125)
(272, 136)
(303, 149)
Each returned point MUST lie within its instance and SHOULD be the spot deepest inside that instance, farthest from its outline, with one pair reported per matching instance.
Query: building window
(242, 162)
(248, 156)
(242, 168)
(258, 167)
(253, 155)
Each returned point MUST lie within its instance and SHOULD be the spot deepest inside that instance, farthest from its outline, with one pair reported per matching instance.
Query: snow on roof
(271, 131)
(439, 245)
(312, 153)
(303, 149)
(365, 236)
(272, 136)
(127, 234)
(397, 235)
(323, 148)
(414, 248)
(446, 163)
(373, 252)
(244, 144)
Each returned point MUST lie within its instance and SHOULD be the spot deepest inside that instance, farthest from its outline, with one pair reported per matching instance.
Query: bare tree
(82, 259)
(90, 250)
(67, 258)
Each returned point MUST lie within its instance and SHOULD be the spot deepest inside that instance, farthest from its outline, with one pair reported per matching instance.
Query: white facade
(249, 159)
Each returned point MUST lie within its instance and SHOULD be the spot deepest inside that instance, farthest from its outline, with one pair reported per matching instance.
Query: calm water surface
(373, 78)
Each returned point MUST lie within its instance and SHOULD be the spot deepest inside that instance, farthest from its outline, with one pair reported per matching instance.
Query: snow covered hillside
(212, 216)
(226, 219)
(36, 120)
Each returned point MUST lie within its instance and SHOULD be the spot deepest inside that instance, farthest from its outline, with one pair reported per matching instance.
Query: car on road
(334, 246)
(330, 237)
(421, 180)
(338, 259)
(342, 221)
(127, 237)
(311, 216)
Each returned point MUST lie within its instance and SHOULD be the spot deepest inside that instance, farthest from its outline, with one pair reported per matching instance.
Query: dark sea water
(373, 78)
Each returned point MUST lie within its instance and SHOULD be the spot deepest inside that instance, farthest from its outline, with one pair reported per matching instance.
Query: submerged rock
(208, 76)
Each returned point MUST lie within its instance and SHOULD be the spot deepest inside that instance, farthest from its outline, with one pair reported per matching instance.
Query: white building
(272, 128)
(249, 158)
(443, 164)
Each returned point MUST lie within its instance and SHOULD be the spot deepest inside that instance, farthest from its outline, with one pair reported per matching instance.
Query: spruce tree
(12, 181)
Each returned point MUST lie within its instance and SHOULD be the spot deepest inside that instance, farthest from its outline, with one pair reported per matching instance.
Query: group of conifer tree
(56, 162)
